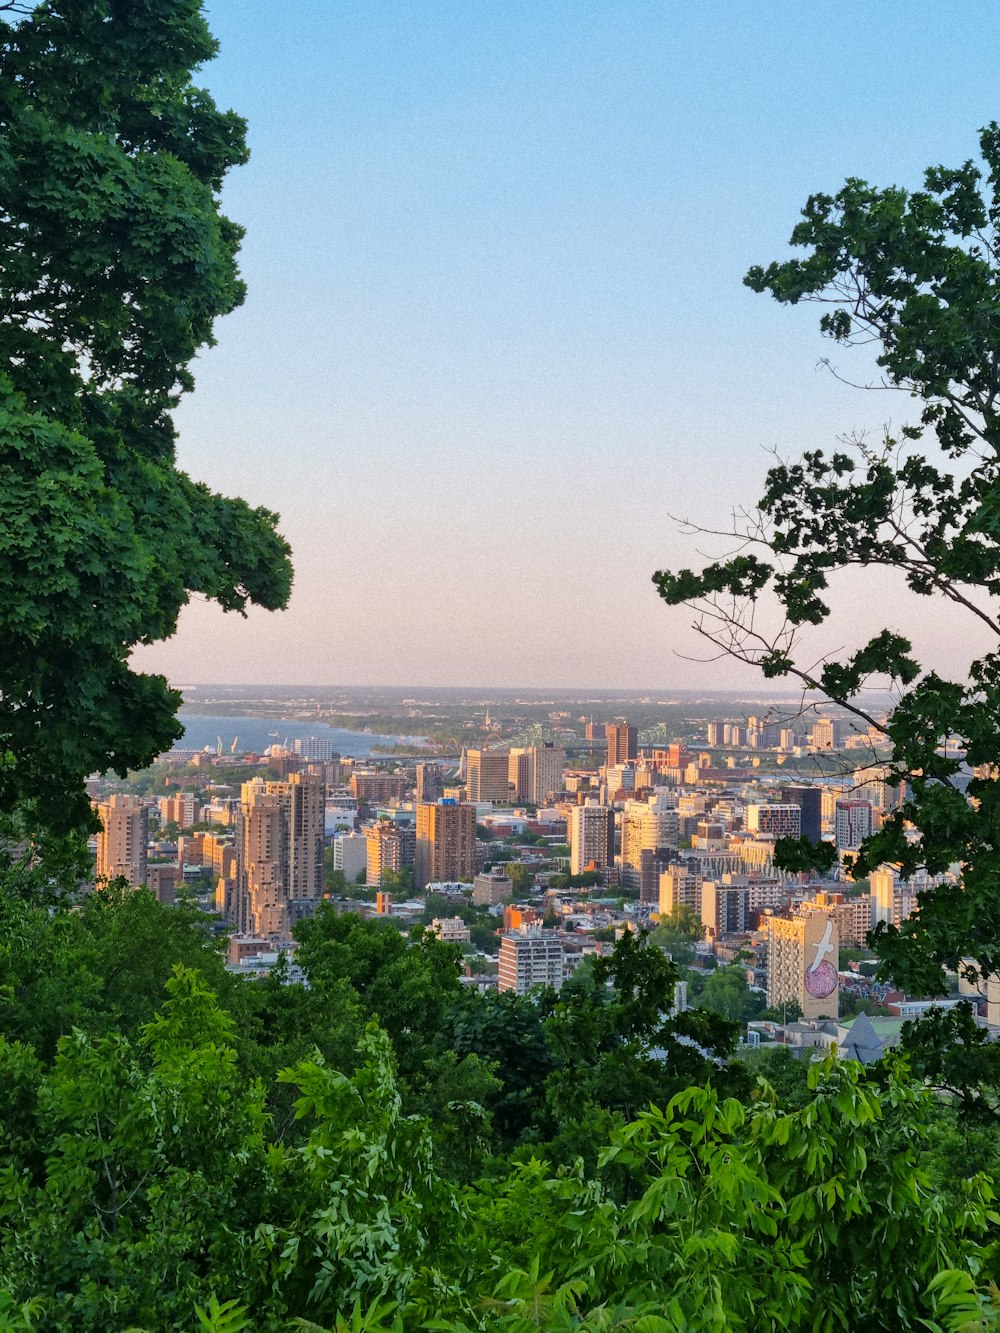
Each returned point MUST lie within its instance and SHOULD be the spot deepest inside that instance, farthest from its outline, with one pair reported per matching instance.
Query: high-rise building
(429, 782)
(810, 803)
(680, 887)
(852, 821)
(591, 831)
(780, 821)
(646, 827)
(384, 850)
(259, 902)
(122, 839)
(803, 955)
(623, 742)
(445, 843)
(725, 908)
(316, 748)
(520, 774)
(350, 855)
(305, 797)
(716, 733)
(279, 853)
(549, 763)
(530, 956)
(487, 775)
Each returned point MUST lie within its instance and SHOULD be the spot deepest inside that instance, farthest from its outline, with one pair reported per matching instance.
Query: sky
(496, 340)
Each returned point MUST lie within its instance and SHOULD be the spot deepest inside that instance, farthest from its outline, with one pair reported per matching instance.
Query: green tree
(726, 993)
(115, 261)
(917, 274)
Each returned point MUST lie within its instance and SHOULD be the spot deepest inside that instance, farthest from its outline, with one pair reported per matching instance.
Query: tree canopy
(115, 261)
(917, 274)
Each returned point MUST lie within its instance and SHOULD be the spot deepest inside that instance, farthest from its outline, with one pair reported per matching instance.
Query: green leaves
(115, 263)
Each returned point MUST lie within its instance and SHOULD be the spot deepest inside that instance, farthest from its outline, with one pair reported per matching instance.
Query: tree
(115, 261)
(917, 275)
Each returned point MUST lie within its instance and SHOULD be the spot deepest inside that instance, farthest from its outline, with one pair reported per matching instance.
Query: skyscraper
(810, 803)
(279, 852)
(429, 782)
(259, 903)
(487, 775)
(122, 839)
(536, 773)
(623, 742)
(446, 843)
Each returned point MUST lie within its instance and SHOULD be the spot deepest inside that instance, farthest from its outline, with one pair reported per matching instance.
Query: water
(257, 733)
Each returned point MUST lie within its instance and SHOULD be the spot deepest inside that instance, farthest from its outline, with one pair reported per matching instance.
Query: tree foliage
(917, 275)
(115, 261)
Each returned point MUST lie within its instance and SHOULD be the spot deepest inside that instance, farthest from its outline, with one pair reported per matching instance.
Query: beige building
(384, 849)
(646, 827)
(591, 832)
(183, 810)
(530, 957)
(492, 888)
(803, 955)
(680, 887)
(258, 904)
(446, 843)
(279, 853)
(122, 839)
(487, 775)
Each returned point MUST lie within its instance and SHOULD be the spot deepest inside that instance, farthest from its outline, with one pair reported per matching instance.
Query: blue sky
(496, 332)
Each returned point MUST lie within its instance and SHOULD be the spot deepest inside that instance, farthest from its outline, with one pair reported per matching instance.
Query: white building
(350, 854)
(530, 957)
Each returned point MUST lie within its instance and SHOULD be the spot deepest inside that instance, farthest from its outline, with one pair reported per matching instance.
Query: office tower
(810, 803)
(725, 908)
(622, 742)
(646, 827)
(487, 775)
(530, 957)
(429, 782)
(520, 774)
(259, 904)
(803, 956)
(383, 852)
(680, 887)
(852, 824)
(122, 839)
(779, 821)
(549, 763)
(445, 843)
(591, 830)
(716, 733)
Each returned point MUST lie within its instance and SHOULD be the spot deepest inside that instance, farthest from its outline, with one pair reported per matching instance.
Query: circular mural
(822, 982)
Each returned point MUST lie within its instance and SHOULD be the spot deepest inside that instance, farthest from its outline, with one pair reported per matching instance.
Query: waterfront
(257, 733)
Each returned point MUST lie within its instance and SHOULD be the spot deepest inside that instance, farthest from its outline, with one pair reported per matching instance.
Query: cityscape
(609, 394)
(532, 858)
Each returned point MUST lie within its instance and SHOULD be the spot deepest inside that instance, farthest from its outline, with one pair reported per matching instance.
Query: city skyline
(496, 331)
